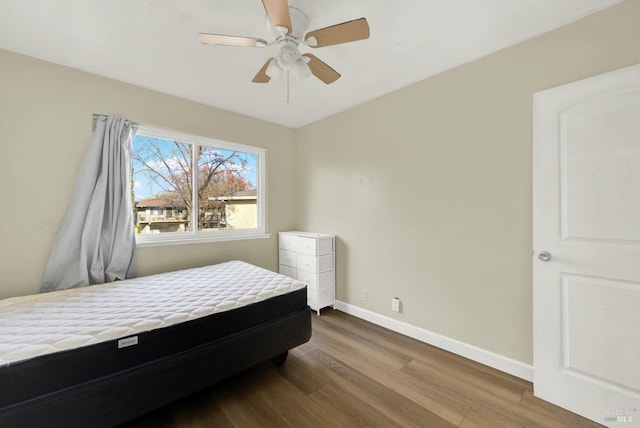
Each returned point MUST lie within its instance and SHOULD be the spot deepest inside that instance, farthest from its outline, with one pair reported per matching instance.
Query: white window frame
(192, 237)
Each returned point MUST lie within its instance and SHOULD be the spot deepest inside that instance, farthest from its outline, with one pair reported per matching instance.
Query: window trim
(192, 237)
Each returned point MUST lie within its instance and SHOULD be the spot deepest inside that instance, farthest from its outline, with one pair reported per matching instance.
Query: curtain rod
(95, 118)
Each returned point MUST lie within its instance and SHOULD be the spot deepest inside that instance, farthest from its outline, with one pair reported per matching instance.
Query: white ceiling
(154, 44)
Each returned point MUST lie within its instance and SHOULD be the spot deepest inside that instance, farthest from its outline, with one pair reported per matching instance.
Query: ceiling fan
(288, 26)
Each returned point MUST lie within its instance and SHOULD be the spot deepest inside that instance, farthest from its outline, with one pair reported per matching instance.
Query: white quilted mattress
(45, 323)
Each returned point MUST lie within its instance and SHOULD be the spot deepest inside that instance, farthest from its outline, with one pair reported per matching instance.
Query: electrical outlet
(365, 296)
(395, 304)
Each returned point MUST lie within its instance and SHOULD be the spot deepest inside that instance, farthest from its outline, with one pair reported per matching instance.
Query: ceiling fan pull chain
(288, 89)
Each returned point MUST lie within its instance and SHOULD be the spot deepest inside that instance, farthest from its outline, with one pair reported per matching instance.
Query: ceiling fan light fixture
(301, 69)
(287, 55)
(273, 70)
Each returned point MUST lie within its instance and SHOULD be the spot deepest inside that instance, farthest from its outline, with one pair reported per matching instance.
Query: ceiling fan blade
(278, 13)
(349, 31)
(321, 70)
(262, 76)
(224, 40)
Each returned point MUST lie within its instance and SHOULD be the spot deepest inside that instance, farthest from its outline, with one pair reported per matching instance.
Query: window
(187, 188)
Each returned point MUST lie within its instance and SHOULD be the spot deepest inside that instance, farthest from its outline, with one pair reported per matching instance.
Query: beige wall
(45, 121)
(429, 188)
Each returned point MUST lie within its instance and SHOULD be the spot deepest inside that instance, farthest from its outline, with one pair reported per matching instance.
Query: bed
(102, 355)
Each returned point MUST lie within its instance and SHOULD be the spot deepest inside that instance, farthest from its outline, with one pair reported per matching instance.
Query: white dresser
(310, 257)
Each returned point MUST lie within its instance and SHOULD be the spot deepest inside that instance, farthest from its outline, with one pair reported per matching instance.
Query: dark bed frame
(111, 400)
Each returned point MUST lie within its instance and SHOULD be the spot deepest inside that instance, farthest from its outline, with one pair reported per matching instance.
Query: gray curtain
(96, 243)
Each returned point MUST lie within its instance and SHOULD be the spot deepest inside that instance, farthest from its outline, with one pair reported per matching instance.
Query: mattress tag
(127, 341)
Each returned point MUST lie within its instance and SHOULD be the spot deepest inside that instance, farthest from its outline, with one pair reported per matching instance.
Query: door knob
(545, 256)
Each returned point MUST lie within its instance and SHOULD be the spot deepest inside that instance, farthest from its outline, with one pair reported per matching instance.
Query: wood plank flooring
(356, 374)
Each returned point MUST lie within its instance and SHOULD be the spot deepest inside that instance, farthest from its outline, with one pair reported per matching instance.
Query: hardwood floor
(355, 374)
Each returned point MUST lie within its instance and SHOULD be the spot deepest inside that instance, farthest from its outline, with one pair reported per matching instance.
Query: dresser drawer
(317, 281)
(307, 246)
(314, 246)
(312, 300)
(314, 264)
(288, 258)
(288, 270)
(288, 242)
(326, 297)
(320, 299)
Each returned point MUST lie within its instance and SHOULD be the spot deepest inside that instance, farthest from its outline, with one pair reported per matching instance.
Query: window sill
(182, 240)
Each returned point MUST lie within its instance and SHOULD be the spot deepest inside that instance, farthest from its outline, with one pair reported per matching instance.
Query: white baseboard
(482, 356)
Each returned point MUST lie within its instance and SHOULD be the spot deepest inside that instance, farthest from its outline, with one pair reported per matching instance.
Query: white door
(586, 225)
